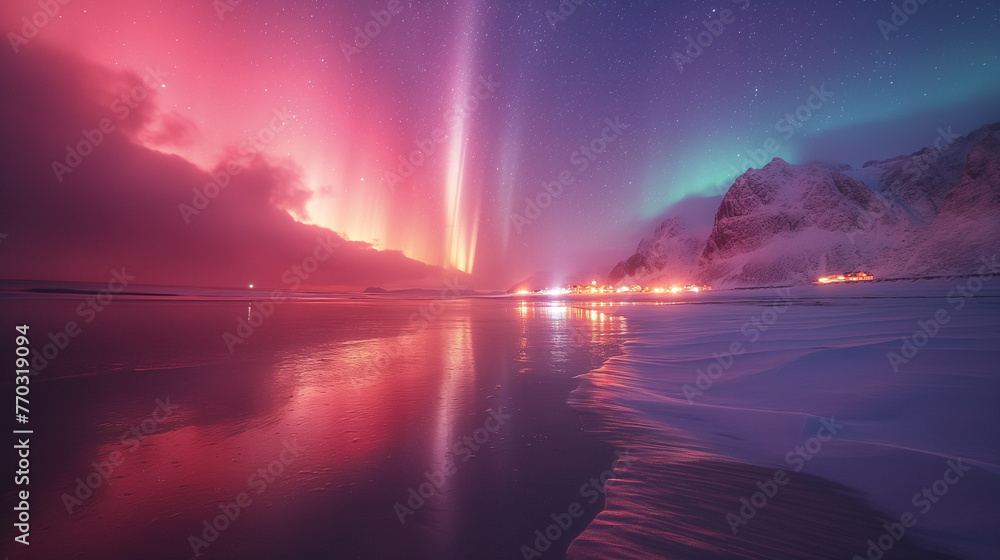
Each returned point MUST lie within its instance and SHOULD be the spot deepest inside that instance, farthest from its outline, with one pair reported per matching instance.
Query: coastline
(900, 430)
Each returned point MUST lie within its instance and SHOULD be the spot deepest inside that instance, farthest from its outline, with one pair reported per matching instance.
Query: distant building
(595, 288)
(848, 277)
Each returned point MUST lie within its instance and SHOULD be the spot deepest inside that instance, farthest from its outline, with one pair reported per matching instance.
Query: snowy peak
(674, 248)
(967, 228)
(789, 223)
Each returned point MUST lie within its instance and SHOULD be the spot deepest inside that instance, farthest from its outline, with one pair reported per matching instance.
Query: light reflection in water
(372, 401)
(456, 388)
(573, 326)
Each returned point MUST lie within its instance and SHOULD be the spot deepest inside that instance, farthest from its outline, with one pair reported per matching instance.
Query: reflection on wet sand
(371, 405)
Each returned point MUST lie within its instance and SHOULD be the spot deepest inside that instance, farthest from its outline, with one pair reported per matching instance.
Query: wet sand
(371, 406)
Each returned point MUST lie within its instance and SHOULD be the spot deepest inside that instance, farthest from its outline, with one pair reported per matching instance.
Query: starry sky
(419, 145)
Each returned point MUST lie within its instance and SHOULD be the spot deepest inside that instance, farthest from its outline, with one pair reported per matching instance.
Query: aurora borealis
(422, 127)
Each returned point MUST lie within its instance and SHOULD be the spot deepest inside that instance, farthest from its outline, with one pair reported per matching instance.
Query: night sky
(677, 120)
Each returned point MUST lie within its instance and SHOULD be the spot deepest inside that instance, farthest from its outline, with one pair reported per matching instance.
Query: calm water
(312, 431)
(384, 429)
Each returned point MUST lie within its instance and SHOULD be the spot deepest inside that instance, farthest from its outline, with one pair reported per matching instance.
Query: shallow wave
(696, 460)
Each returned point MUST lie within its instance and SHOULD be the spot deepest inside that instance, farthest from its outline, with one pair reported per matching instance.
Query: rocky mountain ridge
(933, 212)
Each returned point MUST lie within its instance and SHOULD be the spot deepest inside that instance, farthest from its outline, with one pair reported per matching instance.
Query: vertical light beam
(461, 213)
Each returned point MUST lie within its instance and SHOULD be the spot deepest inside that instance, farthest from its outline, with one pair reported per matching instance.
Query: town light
(847, 277)
(594, 288)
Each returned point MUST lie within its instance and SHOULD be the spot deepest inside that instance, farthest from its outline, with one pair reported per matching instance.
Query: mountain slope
(674, 249)
(935, 211)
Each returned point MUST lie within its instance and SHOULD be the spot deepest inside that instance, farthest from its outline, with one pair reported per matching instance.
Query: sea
(838, 421)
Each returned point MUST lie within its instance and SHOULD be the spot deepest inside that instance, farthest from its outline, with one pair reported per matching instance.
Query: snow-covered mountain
(674, 249)
(936, 211)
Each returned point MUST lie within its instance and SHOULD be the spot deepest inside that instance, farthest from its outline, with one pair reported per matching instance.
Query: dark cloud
(172, 129)
(75, 217)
